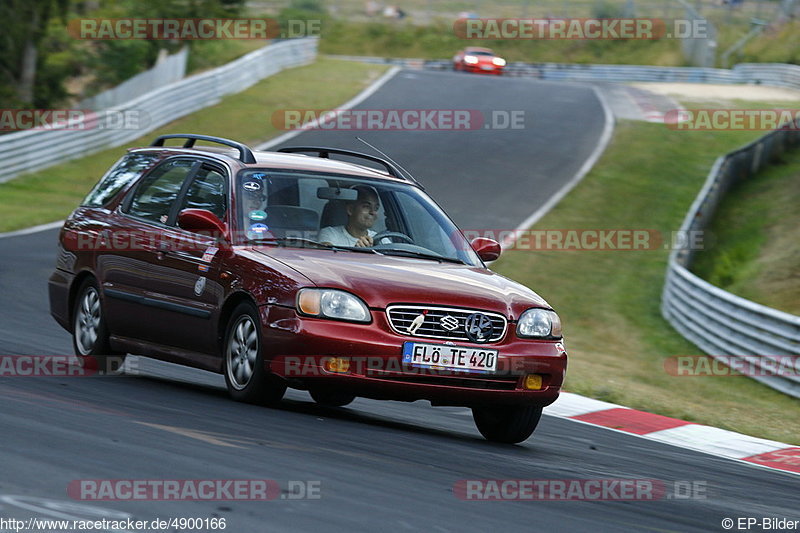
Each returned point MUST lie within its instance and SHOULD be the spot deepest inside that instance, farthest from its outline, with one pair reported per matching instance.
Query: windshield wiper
(316, 244)
(421, 255)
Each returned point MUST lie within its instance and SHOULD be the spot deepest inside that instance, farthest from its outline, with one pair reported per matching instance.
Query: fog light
(338, 365)
(533, 381)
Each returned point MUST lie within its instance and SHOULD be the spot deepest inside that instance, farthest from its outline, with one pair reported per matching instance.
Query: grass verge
(438, 41)
(609, 300)
(755, 234)
(52, 193)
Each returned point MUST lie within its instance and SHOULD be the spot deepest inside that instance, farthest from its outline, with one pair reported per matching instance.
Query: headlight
(470, 59)
(332, 303)
(499, 61)
(539, 323)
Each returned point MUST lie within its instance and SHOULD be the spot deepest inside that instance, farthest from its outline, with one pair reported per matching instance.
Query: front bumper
(297, 348)
(58, 287)
(491, 69)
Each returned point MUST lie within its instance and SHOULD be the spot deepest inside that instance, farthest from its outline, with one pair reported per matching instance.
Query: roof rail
(245, 153)
(325, 153)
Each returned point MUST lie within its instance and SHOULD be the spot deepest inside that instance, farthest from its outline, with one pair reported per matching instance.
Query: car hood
(384, 280)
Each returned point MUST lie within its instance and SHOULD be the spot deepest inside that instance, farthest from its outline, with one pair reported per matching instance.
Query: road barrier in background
(774, 74)
(725, 326)
(35, 149)
(168, 69)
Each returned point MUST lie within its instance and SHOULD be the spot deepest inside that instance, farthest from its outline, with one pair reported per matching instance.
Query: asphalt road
(379, 465)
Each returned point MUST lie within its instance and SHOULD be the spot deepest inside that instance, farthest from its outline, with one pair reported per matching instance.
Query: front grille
(402, 316)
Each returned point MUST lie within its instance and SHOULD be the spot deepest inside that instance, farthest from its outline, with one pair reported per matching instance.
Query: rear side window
(128, 169)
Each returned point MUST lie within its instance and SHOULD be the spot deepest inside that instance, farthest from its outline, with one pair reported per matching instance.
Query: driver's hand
(364, 242)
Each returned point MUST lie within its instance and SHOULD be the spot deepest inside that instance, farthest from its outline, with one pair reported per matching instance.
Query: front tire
(509, 425)
(90, 337)
(245, 373)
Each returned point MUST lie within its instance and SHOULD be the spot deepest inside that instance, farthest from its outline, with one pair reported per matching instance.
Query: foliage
(60, 56)
(22, 54)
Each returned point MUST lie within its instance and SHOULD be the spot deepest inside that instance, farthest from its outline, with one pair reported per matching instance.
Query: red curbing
(631, 421)
(786, 459)
(689, 435)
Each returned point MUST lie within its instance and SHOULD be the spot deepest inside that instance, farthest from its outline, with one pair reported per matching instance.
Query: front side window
(128, 169)
(300, 209)
(156, 194)
(207, 191)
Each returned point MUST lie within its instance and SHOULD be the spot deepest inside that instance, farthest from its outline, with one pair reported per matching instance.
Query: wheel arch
(77, 281)
(230, 304)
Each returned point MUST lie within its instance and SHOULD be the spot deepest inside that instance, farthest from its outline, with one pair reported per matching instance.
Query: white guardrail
(168, 69)
(30, 150)
(723, 325)
(776, 74)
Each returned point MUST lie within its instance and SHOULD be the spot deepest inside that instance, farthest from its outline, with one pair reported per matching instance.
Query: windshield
(344, 214)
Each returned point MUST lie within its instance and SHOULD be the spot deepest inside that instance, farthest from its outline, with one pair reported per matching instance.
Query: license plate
(487, 67)
(449, 357)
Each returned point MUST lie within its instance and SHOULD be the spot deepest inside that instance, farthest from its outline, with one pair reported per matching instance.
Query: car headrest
(291, 218)
(334, 214)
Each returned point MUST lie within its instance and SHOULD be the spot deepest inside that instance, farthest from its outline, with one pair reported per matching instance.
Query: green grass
(209, 54)
(439, 41)
(51, 194)
(609, 300)
(773, 46)
(754, 235)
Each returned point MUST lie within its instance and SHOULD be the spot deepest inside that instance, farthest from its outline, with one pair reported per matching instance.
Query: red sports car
(483, 60)
(280, 269)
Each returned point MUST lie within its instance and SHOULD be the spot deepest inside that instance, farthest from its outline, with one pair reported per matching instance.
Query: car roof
(277, 160)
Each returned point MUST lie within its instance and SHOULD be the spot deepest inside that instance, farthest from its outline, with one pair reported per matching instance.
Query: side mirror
(487, 249)
(204, 222)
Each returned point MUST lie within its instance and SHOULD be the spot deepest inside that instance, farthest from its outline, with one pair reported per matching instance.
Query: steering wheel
(390, 234)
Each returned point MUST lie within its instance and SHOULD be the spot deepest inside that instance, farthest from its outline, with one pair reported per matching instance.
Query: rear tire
(332, 399)
(90, 337)
(509, 425)
(245, 373)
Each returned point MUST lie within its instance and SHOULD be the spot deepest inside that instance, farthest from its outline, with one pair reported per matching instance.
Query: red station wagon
(282, 269)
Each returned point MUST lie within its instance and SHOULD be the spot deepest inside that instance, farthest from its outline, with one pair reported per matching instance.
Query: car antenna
(392, 161)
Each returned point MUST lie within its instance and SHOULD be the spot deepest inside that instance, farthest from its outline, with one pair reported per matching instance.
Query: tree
(25, 25)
